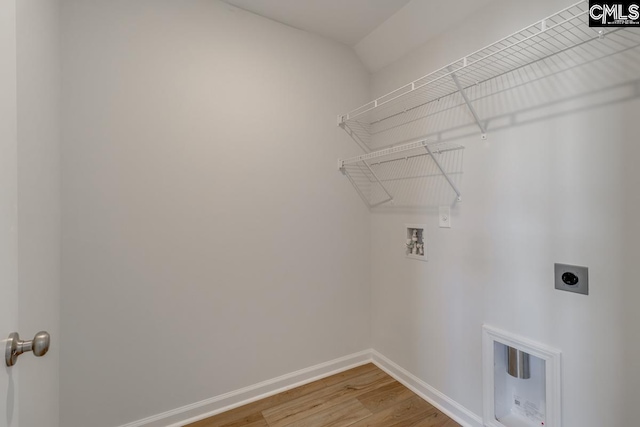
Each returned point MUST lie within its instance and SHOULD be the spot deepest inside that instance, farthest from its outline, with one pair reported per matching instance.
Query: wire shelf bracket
(482, 127)
(444, 173)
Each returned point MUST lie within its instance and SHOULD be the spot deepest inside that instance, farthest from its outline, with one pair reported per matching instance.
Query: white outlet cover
(444, 217)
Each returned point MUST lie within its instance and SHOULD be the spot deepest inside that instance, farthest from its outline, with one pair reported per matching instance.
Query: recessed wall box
(521, 381)
(415, 243)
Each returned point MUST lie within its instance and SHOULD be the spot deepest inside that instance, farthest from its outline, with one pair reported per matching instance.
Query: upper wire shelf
(547, 44)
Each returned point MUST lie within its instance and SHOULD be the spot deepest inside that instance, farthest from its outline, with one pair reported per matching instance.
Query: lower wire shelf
(406, 175)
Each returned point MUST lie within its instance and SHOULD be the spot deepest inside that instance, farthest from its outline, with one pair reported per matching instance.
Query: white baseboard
(224, 402)
(450, 407)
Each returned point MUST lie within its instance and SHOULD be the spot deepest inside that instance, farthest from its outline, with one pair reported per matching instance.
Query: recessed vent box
(521, 381)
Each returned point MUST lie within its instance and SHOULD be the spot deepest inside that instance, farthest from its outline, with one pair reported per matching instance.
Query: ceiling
(346, 21)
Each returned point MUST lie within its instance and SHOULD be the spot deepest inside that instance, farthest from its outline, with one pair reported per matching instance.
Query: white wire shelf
(555, 59)
(401, 174)
(560, 42)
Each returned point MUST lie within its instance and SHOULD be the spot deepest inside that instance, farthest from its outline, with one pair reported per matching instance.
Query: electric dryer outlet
(572, 278)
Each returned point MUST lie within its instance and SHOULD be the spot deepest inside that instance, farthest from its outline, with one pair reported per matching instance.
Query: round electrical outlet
(570, 279)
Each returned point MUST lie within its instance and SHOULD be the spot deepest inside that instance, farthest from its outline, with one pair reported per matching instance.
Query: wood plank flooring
(361, 397)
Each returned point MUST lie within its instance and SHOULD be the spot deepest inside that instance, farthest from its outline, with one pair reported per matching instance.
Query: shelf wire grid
(561, 42)
(406, 175)
(577, 74)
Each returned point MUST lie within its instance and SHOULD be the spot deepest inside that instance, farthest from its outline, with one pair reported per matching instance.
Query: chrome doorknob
(39, 345)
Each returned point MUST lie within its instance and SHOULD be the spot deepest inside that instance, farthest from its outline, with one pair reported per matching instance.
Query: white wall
(38, 71)
(411, 27)
(558, 189)
(209, 242)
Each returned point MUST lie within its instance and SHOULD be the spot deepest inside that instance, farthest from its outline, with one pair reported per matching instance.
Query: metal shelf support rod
(446, 176)
(466, 99)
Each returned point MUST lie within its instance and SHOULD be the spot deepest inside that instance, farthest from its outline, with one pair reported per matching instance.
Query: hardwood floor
(361, 397)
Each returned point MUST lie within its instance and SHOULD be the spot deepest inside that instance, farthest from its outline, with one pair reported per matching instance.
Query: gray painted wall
(558, 186)
(209, 242)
